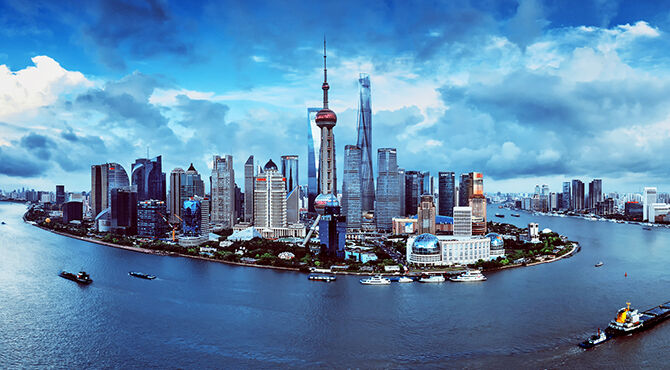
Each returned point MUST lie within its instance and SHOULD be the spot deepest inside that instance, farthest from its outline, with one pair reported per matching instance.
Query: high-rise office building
(387, 202)
(105, 178)
(401, 192)
(365, 143)
(191, 215)
(648, 200)
(312, 160)
(174, 202)
(72, 210)
(577, 195)
(205, 218)
(464, 190)
(545, 190)
(426, 215)
(413, 190)
(150, 222)
(289, 169)
(60, 194)
(148, 178)
(427, 183)
(446, 197)
(565, 201)
(249, 176)
(595, 193)
(462, 221)
(222, 186)
(351, 186)
(478, 207)
(270, 198)
(326, 120)
(124, 210)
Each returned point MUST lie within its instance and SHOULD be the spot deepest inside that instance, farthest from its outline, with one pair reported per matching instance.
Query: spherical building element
(497, 241)
(547, 231)
(325, 200)
(426, 244)
(326, 118)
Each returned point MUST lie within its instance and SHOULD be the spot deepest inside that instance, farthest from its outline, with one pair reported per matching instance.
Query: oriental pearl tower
(326, 120)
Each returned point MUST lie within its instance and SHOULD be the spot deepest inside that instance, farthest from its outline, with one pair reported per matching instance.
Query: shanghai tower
(365, 143)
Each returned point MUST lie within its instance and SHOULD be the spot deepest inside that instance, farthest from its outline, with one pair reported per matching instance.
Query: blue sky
(524, 91)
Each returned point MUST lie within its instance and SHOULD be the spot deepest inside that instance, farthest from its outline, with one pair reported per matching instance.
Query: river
(200, 314)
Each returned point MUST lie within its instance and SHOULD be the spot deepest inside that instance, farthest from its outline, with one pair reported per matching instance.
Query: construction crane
(174, 227)
(311, 230)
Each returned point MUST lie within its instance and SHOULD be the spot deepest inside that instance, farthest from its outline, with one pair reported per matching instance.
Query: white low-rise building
(444, 250)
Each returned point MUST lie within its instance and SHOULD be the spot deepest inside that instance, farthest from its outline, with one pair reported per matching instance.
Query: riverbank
(575, 248)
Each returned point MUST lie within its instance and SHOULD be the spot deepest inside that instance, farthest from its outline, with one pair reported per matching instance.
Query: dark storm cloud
(14, 163)
(143, 28)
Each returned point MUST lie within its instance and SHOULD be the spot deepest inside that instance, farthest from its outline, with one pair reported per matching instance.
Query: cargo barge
(628, 321)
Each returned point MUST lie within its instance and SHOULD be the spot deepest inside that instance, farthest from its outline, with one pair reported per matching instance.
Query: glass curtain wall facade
(387, 200)
(565, 198)
(313, 146)
(352, 187)
(446, 197)
(174, 201)
(148, 177)
(365, 143)
(577, 198)
(222, 184)
(249, 176)
(289, 169)
(401, 187)
(413, 190)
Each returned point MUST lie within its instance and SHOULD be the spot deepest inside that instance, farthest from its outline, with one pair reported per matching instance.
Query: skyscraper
(148, 177)
(249, 176)
(426, 215)
(464, 190)
(326, 120)
(413, 190)
(270, 198)
(174, 203)
(150, 223)
(427, 183)
(123, 204)
(565, 201)
(365, 143)
(289, 169)
(104, 178)
(189, 185)
(60, 194)
(222, 184)
(351, 186)
(595, 193)
(312, 161)
(401, 192)
(577, 195)
(446, 189)
(648, 200)
(387, 199)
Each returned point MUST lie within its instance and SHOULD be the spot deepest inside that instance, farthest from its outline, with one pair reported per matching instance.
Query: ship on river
(629, 320)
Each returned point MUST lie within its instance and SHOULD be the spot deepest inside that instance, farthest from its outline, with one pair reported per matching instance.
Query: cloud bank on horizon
(524, 92)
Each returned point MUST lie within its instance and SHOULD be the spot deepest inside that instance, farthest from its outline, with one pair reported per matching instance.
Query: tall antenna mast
(325, 86)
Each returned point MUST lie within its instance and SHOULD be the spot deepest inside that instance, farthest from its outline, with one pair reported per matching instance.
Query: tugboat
(500, 215)
(326, 278)
(594, 340)
(82, 277)
(432, 279)
(470, 275)
(375, 280)
(142, 275)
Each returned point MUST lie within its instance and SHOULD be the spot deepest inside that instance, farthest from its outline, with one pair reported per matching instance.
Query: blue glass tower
(365, 143)
(312, 170)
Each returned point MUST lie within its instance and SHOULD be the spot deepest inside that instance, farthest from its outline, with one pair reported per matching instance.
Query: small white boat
(599, 264)
(432, 279)
(470, 275)
(375, 280)
(405, 279)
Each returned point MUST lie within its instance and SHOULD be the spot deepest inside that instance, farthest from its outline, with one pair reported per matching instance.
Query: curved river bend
(203, 314)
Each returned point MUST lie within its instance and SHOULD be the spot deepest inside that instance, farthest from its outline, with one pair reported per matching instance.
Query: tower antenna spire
(325, 86)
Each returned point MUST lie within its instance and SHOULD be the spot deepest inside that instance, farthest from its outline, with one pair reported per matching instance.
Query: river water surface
(204, 314)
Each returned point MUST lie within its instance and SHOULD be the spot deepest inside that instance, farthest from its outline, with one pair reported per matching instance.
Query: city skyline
(74, 100)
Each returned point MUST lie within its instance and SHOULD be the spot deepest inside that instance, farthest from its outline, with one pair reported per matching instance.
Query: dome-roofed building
(424, 249)
(270, 166)
(497, 245)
